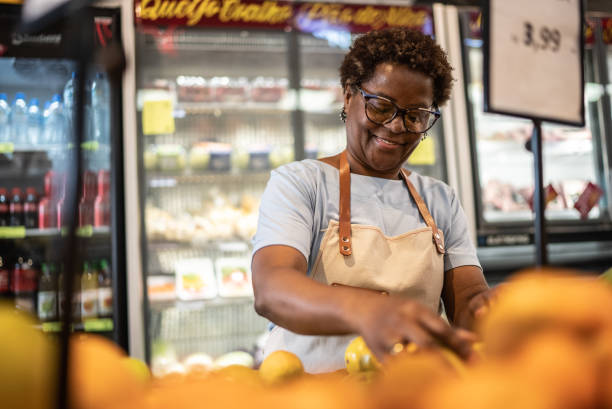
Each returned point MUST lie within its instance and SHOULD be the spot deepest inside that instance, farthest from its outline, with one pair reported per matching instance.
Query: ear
(348, 94)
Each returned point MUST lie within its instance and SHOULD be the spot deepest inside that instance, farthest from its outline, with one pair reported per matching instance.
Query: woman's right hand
(388, 320)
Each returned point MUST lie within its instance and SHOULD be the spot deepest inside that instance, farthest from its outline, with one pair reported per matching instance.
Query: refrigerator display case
(576, 164)
(36, 141)
(220, 105)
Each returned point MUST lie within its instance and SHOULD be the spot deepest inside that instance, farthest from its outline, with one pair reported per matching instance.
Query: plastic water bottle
(55, 122)
(44, 134)
(69, 89)
(5, 112)
(100, 107)
(34, 123)
(19, 119)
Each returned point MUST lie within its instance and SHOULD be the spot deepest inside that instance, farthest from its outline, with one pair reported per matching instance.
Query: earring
(343, 115)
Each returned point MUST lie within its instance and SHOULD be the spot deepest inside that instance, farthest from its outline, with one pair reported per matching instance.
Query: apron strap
(424, 212)
(345, 206)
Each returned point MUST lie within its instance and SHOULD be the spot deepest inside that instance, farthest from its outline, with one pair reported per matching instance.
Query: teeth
(386, 141)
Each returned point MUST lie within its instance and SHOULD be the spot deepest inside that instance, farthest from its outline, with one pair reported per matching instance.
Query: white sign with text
(535, 65)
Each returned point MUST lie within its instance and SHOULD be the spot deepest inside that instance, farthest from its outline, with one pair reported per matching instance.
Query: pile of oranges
(546, 343)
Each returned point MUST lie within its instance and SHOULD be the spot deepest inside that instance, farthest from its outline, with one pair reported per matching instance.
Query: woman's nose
(397, 124)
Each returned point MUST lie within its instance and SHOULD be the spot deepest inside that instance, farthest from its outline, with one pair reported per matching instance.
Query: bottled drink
(102, 203)
(34, 123)
(86, 204)
(100, 108)
(5, 215)
(61, 196)
(24, 284)
(47, 208)
(89, 292)
(105, 290)
(55, 123)
(76, 296)
(5, 113)
(16, 208)
(47, 293)
(19, 119)
(5, 280)
(30, 209)
(68, 94)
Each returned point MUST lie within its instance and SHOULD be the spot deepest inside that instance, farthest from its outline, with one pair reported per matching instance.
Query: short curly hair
(403, 46)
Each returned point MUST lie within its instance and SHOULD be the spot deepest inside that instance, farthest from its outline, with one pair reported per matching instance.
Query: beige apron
(408, 265)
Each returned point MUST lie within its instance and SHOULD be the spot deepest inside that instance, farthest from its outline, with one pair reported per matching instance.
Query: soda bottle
(105, 290)
(16, 208)
(34, 123)
(86, 204)
(47, 208)
(19, 119)
(102, 203)
(24, 284)
(30, 209)
(5, 113)
(100, 107)
(89, 292)
(47, 293)
(5, 215)
(5, 280)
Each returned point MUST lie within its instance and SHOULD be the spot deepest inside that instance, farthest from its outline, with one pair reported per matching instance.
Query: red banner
(272, 14)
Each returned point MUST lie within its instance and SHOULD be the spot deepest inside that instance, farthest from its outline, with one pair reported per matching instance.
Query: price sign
(533, 59)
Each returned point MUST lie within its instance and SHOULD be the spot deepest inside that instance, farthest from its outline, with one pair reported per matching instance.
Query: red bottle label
(4, 281)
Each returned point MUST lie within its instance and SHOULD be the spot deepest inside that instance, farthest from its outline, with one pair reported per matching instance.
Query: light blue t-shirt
(302, 197)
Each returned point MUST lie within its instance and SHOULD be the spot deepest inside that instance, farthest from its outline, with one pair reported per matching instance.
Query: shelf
(90, 325)
(216, 108)
(162, 180)
(164, 304)
(229, 245)
(20, 232)
(9, 147)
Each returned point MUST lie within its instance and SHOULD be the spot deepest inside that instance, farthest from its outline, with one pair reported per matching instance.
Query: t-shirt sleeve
(460, 250)
(286, 211)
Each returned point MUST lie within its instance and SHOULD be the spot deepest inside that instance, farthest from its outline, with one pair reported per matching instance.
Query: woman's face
(381, 150)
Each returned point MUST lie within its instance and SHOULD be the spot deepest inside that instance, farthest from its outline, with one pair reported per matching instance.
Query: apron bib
(408, 265)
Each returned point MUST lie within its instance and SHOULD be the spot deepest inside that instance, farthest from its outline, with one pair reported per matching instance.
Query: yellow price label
(52, 326)
(85, 231)
(7, 147)
(90, 146)
(157, 117)
(424, 154)
(98, 325)
(12, 232)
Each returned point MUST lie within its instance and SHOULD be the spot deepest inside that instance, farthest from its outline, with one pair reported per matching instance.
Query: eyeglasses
(381, 111)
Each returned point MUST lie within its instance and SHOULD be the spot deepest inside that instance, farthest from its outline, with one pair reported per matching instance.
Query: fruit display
(545, 343)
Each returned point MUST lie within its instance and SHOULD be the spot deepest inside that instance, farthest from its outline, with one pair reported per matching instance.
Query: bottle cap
(20, 95)
(2, 191)
(34, 101)
(3, 96)
(56, 98)
(16, 191)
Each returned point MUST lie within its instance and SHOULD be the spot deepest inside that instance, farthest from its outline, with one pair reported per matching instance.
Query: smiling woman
(355, 244)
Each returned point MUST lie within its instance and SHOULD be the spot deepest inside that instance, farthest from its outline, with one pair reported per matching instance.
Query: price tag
(52, 326)
(12, 232)
(157, 117)
(424, 154)
(90, 146)
(98, 325)
(85, 231)
(7, 147)
(533, 59)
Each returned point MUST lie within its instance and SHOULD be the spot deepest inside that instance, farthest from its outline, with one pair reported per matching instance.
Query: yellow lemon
(138, 368)
(359, 358)
(28, 369)
(280, 366)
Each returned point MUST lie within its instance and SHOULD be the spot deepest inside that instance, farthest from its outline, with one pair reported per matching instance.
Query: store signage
(533, 59)
(271, 14)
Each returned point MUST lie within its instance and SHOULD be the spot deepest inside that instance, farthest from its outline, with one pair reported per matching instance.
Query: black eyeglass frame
(366, 96)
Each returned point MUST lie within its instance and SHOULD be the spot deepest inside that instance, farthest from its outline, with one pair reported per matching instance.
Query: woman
(353, 244)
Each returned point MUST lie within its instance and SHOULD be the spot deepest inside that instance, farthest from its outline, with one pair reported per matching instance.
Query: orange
(98, 374)
(280, 366)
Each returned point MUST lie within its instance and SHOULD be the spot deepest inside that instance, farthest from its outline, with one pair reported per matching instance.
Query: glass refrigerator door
(321, 100)
(36, 143)
(573, 171)
(215, 117)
